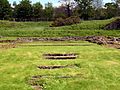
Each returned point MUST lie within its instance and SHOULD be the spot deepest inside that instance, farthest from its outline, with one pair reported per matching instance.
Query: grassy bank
(42, 29)
(58, 33)
(96, 67)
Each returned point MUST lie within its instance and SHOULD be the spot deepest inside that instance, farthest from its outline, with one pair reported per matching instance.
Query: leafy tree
(111, 9)
(68, 4)
(85, 8)
(13, 9)
(49, 11)
(99, 11)
(5, 9)
(37, 10)
(100, 14)
(97, 4)
(118, 9)
(14, 3)
(24, 10)
(60, 12)
(117, 1)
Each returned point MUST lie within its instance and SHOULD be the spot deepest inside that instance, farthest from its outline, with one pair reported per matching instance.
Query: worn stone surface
(60, 56)
(101, 40)
(7, 46)
(56, 66)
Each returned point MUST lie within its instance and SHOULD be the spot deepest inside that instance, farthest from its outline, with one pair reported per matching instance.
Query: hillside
(42, 29)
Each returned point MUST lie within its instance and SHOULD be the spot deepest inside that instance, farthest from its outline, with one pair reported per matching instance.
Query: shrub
(68, 21)
(58, 22)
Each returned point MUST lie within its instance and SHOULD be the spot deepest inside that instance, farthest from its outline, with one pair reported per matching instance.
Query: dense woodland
(25, 10)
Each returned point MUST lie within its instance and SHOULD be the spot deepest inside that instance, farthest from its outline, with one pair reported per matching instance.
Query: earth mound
(113, 25)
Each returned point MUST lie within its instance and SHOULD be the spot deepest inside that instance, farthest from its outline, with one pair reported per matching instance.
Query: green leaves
(5, 9)
(23, 10)
(85, 8)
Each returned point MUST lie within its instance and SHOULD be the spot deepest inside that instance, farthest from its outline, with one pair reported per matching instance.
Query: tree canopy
(5, 9)
(25, 10)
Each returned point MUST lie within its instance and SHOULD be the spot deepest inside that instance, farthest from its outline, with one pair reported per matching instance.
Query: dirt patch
(50, 67)
(7, 41)
(113, 25)
(55, 67)
(37, 87)
(60, 56)
(114, 46)
(8, 46)
(37, 82)
(45, 76)
(60, 45)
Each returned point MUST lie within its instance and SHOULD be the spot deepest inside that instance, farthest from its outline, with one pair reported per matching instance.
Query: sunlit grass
(42, 29)
(98, 68)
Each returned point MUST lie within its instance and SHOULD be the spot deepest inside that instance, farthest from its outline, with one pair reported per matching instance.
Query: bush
(68, 21)
(58, 22)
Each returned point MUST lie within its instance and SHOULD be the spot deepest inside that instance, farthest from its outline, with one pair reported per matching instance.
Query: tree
(99, 11)
(68, 4)
(85, 8)
(37, 10)
(117, 1)
(24, 10)
(97, 4)
(100, 14)
(49, 11)
(118, 9)
(14, 3)
(60, 12)
(111, 9)
(5, 9)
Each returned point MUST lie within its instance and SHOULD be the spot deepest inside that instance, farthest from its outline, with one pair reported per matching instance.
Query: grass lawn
(96, 68)
(42, 29)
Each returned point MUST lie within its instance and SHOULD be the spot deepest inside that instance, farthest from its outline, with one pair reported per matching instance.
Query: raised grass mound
(113, 25)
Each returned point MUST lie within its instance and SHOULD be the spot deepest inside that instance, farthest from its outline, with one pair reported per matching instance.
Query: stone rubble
(101, 40)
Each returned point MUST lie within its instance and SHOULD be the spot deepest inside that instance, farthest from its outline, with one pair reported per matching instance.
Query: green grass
(98, 67)
(58, 33)
(42, 29)
(11, 25)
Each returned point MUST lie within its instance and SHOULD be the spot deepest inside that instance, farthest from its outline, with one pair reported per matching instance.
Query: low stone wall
(94, 39)
(101, 40)
(7, 41)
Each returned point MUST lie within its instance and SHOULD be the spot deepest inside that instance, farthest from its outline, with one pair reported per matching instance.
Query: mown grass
(58, 33)
(98, 67)
(5, 25)
(42, 29)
